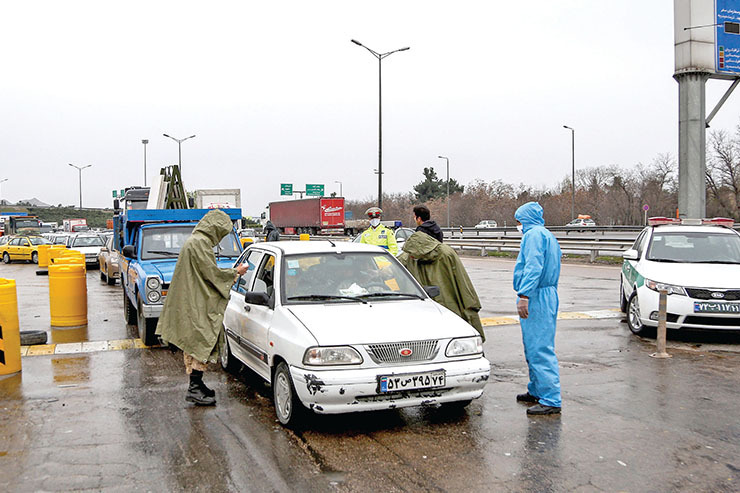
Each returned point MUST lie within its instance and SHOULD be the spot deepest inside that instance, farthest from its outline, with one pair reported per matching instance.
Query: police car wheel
(622, 299)
(633, 317)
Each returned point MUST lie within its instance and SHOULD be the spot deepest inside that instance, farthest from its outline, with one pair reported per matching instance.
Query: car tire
(33, 337)
(129, 312)
(111, 281)
(288, 407)
(35, 257)
(228, 362)
(622, 299)
(102, 275)
(147, 327)
(633, 317)
(6, 258)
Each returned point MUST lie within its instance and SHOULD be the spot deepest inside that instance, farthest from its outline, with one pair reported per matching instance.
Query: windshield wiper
(163, 252)
(325, 297)
(715, 262)
(382, 295)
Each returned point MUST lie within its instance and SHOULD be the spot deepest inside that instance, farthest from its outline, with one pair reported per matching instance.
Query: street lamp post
(573, 172)
(380, 57)
(448, 188)
(340, 187)
(179, 148)
(1, 191)
(145, 142)
(79, 169)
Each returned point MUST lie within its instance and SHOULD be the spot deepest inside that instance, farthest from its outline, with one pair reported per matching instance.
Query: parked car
(59, 238)
(108, 261)
(22, 248)
(88, 244)
(486, 223)
(343, 327)
(697, 262)
(581, 222)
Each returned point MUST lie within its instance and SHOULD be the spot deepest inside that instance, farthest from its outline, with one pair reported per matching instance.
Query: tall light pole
(340, 187)
(448, 188)
(380, 57)
(79, 169)
(179, 148)
(145, 142)
(1, 190)
(573, 172)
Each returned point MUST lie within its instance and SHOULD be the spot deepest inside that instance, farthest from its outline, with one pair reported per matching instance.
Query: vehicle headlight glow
(332, 355)
(153, 296)
(464, 346)
(659, 286)
(152, 283)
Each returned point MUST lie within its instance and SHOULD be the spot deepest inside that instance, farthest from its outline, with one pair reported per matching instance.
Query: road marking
(126, 344)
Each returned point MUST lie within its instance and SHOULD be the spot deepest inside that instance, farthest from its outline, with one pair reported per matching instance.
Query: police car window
(695, 247)
(638, 242)
(252, 259)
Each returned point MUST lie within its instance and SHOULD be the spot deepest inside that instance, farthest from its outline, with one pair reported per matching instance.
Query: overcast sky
(277, 93)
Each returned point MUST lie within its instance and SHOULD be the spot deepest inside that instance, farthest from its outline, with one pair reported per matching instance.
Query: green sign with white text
(314, 190)
(286, 189)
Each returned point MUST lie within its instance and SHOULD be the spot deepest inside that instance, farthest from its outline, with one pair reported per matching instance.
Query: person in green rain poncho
(435, 264)
(193, 313)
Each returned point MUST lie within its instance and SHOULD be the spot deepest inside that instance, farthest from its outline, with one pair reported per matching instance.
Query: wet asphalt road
(118, 420)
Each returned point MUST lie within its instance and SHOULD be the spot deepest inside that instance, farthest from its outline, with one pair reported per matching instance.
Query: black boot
(197, 391)
(526, 398)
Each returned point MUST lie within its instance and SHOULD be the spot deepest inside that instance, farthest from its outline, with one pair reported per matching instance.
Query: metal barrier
(10, 335)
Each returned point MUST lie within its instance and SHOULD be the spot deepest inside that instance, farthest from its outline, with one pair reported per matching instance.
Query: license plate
(411, 381)
(716, 307)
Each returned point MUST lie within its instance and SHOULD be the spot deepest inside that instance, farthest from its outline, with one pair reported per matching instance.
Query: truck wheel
(147, 326)
(129, 312)
(6, 258)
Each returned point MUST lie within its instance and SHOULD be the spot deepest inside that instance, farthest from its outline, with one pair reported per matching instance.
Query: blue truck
(149, 241)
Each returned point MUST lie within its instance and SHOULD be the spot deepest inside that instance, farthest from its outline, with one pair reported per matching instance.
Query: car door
(20, 247)
(259, 317)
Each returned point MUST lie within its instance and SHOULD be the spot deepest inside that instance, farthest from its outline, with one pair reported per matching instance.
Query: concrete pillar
(692, 141)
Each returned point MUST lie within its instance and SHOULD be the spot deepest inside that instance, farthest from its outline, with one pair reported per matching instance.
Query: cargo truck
(75, 225)
(320, 215)
(218, 198)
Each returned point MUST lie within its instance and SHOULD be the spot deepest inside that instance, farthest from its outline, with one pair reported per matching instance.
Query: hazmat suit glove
(522, 307)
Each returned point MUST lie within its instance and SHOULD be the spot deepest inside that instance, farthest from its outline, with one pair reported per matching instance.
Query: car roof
(293, 247)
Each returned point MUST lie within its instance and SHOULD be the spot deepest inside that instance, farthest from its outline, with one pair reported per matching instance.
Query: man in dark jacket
(425, 224)
(271, 232)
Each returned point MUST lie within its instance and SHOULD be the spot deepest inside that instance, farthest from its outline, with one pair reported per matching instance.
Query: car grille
(713, 321)
(706, 294)
(391, 352)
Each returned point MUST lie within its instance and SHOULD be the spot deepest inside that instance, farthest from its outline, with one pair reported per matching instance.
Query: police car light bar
(715, 221)
(720, 221)
(659, 221)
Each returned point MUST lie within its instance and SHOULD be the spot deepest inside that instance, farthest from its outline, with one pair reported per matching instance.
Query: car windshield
(60, 240)
(695, 247)
(87, 241)
(39, 241)
(160, 243)
(246, 233)
(346, 277)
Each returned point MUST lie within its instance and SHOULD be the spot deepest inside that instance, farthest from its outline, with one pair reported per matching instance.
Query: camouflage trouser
(192, 364)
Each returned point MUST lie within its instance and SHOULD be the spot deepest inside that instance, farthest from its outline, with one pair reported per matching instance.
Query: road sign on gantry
(286, 189)
(314, 190)
(728, 36)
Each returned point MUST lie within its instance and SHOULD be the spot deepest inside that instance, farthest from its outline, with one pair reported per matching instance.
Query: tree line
(610, 194)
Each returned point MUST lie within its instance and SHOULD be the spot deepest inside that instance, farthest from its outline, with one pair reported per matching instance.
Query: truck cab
(150, 241)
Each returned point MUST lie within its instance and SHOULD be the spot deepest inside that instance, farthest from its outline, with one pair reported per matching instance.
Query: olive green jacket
(435, 264)
(193, 314)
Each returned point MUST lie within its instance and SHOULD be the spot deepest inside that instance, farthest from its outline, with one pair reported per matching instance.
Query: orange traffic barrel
(68, 294)
(10, 335)
(44, 255)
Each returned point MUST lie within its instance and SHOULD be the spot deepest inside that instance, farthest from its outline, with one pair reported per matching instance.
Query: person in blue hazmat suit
(536, 275)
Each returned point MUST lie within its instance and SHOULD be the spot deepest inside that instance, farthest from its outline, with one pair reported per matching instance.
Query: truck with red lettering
(320, 215)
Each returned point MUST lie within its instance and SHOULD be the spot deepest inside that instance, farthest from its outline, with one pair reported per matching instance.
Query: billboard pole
(692, 148)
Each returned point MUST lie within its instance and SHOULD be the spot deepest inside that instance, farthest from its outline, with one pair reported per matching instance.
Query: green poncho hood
(435, 264)
(193, 313)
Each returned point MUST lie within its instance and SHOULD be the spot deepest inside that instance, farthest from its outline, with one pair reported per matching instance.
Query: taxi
(22, 248)
(696, 261)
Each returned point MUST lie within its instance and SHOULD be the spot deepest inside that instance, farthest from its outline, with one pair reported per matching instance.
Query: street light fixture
(380, 57)
(448, 187)
(340, 187)
(79, 169)
(145, 142)
(179, 148)
(1, 190)
(573, 172)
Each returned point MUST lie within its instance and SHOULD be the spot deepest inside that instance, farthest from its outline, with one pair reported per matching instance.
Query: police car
(697, 261)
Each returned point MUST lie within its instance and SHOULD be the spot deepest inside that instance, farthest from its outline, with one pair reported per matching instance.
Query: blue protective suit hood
(530, 214)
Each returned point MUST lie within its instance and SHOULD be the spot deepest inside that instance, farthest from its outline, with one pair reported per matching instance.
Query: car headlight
(152, 283)
(153, 296)
(659, 286)
(332, 355)
(464, 346)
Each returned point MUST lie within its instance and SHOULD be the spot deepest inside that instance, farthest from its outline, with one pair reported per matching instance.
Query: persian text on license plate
(412, 381)
(716, 307)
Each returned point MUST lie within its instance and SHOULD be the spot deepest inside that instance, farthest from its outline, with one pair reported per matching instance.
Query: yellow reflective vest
(382, 237)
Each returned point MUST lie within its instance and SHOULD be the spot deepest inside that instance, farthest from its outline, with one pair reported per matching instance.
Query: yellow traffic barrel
(68, 294)
(44, 255)
(10, 335)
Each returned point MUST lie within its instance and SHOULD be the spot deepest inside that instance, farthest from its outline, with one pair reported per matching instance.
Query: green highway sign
(286, 189)
(115, 193)
(314, 190)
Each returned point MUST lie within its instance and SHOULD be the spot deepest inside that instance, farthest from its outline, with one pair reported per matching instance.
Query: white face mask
(374, 222)
(520, 228)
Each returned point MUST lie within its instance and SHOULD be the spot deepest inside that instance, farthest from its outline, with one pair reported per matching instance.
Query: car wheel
(6, 258)
(622, 299)
(129, 312)
(35, 257)
(228, 362)
(147, 327)
(288, 406)
(110, 280)
(633, 316)
(32, 337)
(102, 274)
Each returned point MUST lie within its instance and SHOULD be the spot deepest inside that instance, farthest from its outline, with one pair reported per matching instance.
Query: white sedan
(343, 327)
(697, 262)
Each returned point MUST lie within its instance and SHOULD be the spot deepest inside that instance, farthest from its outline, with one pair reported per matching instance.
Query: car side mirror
(432, 291)
(631, 254)
(129, 251)
(257, 298)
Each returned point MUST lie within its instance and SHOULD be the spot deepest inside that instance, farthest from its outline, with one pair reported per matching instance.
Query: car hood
(387, 321)
(721, 276)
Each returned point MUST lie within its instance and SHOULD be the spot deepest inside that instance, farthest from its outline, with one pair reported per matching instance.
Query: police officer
(377, 234)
